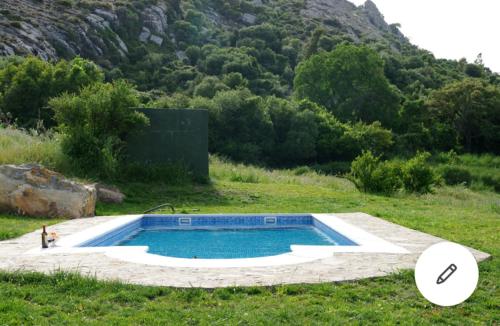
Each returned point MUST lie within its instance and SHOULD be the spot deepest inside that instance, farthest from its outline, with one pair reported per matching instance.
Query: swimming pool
(224, 240)
(226, 243)
(222, 237)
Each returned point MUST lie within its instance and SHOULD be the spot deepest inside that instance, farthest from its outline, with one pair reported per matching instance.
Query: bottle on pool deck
(45, 242)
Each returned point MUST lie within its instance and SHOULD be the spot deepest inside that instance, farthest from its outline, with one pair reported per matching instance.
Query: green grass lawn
(469, 217)
(15, 226)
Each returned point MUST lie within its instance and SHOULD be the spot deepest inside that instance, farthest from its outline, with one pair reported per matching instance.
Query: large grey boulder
(155, 19)
(35, 191)
(109, 194)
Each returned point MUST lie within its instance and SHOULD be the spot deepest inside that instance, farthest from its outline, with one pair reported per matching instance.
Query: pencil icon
(446, 274)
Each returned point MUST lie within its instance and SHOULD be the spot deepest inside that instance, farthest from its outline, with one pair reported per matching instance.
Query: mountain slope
(174, 45)
(55, 29)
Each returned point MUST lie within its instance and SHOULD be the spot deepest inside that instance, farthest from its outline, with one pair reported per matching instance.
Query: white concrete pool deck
(399, 249)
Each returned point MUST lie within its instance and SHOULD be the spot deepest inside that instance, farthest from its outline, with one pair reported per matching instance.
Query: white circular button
(446, 274)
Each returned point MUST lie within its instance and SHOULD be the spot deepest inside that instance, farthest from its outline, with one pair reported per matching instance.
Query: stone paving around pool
(14, 257)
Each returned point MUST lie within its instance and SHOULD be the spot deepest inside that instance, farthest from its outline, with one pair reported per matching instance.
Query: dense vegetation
(282, 92)
(380, 94)
(327, 119)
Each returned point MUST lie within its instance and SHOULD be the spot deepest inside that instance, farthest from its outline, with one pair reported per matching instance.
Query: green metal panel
(174, 136)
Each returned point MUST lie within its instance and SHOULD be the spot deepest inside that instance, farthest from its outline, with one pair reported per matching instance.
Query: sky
(451, 29)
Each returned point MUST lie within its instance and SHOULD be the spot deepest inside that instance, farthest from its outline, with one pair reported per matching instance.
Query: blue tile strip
(213, 221)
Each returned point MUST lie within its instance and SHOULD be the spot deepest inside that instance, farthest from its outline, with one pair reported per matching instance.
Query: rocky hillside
(108, 31)
(53, 29)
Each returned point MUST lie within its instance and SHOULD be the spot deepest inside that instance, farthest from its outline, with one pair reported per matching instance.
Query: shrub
(454, 175)
(301, 170)
(176, 101)
(450, 157)
(334, 168)
(65, 3)
(386, 178)
(371, 175)
(95, 124)
(492, 181)
(417, 175)
(250, 177)
(16, 24)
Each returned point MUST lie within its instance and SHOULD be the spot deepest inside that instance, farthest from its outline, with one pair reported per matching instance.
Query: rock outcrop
(35, 191)
(51, 30)
(364, 21)
(108, 194)
(107, 31)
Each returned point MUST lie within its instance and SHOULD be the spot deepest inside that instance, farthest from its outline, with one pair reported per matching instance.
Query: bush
(301, 170)
(95, 124)
(371, 175)
(65, 3)
(386, 178)
(450, 157)
(454, 175)
(334, 168)
(492, 181)
(417, 175)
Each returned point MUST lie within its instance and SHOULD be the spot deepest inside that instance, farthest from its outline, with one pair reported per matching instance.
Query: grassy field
(15, 226)
(470, 217)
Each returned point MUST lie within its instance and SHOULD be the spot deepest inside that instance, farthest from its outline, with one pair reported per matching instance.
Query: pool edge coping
(299, 254)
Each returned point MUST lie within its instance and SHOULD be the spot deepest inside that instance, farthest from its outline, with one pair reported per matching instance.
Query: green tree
(414, 127)
(268, 33)
(241, 127)
(329, 145)
(350, 82)
(296, 131)
(300, 143)
(73, 75)
(472, 110)
(312, 46)
(27, 85)
(185, 32)
(95, 123)
(209, 86)
(365, 137)
(25, 90)
(235, 80)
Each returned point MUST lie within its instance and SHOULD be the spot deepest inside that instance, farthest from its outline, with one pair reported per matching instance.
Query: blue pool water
(226, 243)
(221, 236)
